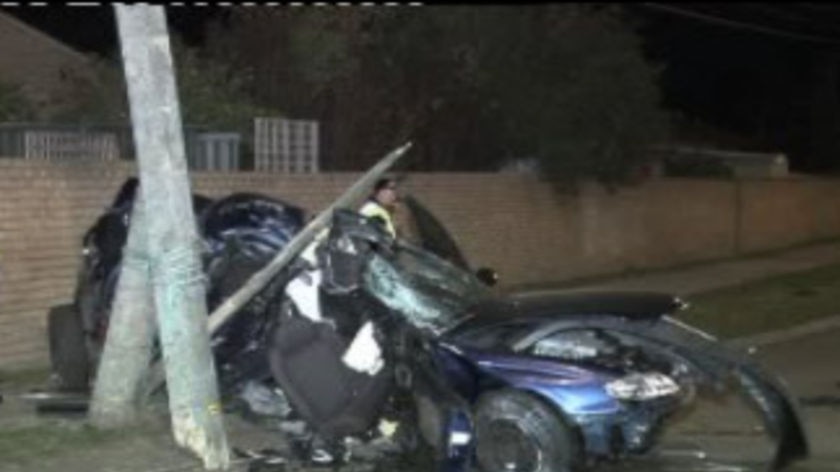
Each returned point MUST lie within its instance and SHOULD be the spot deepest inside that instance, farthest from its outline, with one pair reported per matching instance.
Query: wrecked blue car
(546, 383)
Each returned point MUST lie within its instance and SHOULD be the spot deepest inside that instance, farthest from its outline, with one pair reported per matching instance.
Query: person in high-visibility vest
(304, 288)
(382, 203)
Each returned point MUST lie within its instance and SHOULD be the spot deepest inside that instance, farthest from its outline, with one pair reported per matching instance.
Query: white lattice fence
(69, 145)
(288, 146)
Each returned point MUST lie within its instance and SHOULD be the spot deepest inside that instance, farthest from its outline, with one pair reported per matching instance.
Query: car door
(432, 235)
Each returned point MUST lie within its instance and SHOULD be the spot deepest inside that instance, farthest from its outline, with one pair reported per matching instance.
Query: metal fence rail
(215, 151)
(205, 150)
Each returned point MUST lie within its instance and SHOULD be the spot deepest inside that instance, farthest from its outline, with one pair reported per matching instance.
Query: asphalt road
(727, 437)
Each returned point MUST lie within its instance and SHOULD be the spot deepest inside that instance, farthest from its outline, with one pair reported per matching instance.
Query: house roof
(38, 35)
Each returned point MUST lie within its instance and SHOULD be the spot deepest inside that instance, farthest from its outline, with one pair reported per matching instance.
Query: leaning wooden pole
(172, 238)
(128, 345)
(260, 279)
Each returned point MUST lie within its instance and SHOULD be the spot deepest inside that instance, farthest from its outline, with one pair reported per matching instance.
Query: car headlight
(642, 386)
(459, 438)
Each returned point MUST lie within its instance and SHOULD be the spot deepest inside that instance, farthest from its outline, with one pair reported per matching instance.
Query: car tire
(516, 431)
(68, 353)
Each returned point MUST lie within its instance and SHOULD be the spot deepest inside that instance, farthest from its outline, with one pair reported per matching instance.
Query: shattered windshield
(428, 291)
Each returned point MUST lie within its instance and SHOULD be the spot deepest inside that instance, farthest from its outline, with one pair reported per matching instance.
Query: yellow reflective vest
(372, 209)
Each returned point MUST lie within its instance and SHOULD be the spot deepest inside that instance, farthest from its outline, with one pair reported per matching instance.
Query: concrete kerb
(786, 334)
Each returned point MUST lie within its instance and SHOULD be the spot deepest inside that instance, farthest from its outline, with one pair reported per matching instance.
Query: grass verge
(25, 446)
(27, 377)
(769, 304)
(639, 272)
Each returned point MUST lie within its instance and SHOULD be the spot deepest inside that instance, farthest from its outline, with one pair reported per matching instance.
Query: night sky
(94, 29)
(753, 69)
(722, 72)
(745, 68)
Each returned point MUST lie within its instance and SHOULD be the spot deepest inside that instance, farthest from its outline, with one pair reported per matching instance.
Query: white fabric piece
(303, 291)
(364, 354)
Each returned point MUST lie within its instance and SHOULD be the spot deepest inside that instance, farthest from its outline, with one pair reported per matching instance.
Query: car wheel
(517, 432)
(68, 353)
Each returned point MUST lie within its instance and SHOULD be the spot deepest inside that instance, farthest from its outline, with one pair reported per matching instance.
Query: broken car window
(430, 292)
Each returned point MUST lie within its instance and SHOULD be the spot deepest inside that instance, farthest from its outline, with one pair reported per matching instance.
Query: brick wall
(512, 223)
